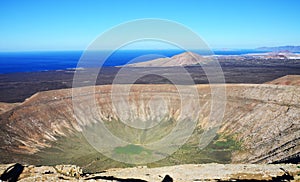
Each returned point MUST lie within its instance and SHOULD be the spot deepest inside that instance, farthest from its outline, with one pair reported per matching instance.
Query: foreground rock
(188, 172)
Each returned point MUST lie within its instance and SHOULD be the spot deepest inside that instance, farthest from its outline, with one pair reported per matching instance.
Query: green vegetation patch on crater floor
(131, 149)
(225, 142)
(74, 149)
(219, 150)
(141, 136)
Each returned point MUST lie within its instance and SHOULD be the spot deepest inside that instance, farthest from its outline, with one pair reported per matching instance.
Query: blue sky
(72, 25)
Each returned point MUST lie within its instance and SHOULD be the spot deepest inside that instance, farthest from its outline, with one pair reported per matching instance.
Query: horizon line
(143, 49)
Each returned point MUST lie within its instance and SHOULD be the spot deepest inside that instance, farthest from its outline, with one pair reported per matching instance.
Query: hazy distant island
(280, 49)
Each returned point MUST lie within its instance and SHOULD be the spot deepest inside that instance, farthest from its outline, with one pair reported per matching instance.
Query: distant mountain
(280, 49)
(192, 59)
(184, 59)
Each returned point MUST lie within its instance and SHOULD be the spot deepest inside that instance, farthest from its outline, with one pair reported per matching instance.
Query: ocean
(12, 62)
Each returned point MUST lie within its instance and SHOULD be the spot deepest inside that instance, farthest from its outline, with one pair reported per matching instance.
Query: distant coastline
(37, 61)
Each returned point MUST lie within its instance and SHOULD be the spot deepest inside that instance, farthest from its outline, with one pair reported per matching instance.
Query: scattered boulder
(167, 178)
(69, 170)
(12, 173)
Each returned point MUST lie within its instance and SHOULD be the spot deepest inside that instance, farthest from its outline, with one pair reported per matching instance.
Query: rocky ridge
(287, 80)
(264, 118)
